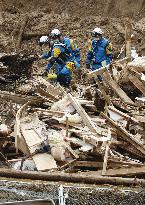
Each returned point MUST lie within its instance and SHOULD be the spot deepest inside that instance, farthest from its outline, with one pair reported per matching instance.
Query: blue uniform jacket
(99, 51)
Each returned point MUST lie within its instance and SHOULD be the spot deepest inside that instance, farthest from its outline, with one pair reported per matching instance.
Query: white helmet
(97, 30)
(55, 32)
(44, 39)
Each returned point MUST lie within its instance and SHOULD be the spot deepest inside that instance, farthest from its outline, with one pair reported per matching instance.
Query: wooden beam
(116, 88)
(83, 114)
(45, 112)
(122, 61)
(94, 164)
(68, 147)
(124, 134)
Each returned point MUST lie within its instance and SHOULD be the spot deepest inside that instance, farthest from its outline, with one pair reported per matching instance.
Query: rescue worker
(46, 46)
(100, 51)
(70, 46)
(65, 56)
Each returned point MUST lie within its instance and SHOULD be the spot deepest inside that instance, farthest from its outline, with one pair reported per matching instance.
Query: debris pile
(57, 130)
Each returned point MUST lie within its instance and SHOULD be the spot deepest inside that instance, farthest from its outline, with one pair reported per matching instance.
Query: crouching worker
(100, 51)
(62, 59)
(65, 76)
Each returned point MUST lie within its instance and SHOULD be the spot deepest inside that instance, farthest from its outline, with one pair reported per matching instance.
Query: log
(27, 36)
(89, 178)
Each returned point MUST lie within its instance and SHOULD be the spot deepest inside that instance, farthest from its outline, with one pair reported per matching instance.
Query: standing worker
(100, 51)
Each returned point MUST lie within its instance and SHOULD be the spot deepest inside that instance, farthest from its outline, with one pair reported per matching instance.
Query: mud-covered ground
(73, 18)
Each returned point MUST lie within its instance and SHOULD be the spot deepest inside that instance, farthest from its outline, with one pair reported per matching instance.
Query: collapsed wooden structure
(75, 134)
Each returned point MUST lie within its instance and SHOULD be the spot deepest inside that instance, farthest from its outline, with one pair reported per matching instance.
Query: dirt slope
(75, 18)
(113, 8)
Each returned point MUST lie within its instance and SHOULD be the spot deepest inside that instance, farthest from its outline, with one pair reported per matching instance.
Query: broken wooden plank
(97, 72)
(116, 88)
(128, 29)
(137, 83)
(44, 112)
(106, 152)
(69, 164)
(83, 114)
(124, 115)
(44, 161)
(32, 132)
(20, 99)
(127, 171)
(19, 140)
(111, 163)
(106, 97)
(125, 135)
(48, 95)
(53, 90)
(71, 150)
(122, 61)
(140, 118)
(135, 66)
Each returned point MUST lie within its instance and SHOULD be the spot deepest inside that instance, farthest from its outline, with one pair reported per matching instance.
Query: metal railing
(17, 193)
